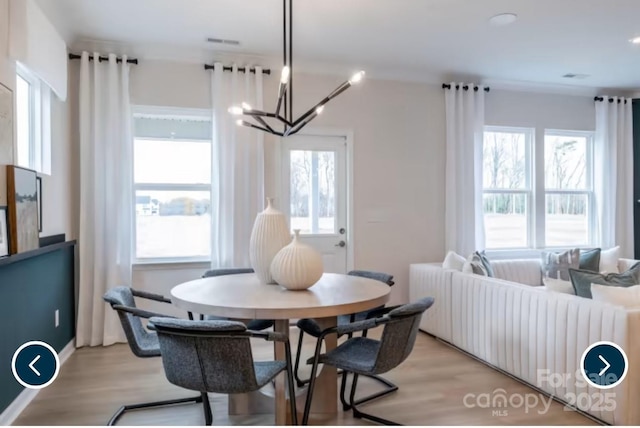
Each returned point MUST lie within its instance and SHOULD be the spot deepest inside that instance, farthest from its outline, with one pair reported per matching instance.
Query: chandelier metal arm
(285, 89)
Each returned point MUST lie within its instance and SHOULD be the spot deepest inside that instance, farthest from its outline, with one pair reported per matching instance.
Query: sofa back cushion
(526, 272)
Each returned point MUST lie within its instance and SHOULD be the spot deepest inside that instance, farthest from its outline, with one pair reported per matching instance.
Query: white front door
(314, 189)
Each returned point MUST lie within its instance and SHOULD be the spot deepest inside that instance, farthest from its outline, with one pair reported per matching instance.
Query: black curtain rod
(610, 99)
(103, 58)
(465, 87)
(240, 69)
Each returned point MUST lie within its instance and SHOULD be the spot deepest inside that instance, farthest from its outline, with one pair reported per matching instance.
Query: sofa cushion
(557, 265)
(582, 279)
(558, 285)
(609, 260)
(627, 297)
(590, 260)
(454, 261)
(525, 271)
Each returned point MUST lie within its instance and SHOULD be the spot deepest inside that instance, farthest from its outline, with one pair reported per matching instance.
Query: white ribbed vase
(270, 233)
(297, 266)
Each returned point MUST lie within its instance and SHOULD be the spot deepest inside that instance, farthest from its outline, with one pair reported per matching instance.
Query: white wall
(540, 111)
(399, 155)
(398, 131)
(57, 189)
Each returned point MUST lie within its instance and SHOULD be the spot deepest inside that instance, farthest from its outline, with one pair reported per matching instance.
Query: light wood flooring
(433, 381)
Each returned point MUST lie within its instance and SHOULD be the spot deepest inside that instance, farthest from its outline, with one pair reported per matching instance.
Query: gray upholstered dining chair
(215, 356)
(251, 324)
(365, 356)
(143, 343)
(312, 328)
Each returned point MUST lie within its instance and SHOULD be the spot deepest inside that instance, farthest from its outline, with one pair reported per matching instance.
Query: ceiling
(407, 39)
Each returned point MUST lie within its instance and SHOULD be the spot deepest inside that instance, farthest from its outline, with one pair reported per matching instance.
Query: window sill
(528, 253)
(170, 265)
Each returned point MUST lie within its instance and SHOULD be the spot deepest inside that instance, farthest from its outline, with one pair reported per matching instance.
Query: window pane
(505, 220)
(312, 195)
(173, 224)
(505, 160)
(172, 161)
(567, 220)
(23, 121)
(565, 160)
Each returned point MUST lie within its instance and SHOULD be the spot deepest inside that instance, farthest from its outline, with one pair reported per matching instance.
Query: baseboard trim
(21, 402)
(498, 369)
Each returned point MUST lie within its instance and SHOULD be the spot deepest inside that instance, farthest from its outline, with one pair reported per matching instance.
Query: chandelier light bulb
(356, 77)
(319, 109)
(246, 107)
(235, 110)
(239, 122)
(284, 77)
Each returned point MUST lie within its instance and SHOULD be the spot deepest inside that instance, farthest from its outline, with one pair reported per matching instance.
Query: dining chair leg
(312, 383)
(362, 415)
(208, 416)
(299, 382)
(292, 388)
(343, 386)
(122, 410)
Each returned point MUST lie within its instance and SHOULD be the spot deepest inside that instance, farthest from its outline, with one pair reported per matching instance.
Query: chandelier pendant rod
(285, 90)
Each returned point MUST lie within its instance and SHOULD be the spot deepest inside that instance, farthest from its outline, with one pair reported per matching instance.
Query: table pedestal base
(325, 397)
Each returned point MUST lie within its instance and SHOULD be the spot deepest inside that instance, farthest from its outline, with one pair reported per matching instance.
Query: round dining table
(245, 297)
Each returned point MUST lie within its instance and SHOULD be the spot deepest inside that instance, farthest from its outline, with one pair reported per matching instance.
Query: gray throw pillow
(582, 279)
(557, 265)
(590, 260)
(479, 264)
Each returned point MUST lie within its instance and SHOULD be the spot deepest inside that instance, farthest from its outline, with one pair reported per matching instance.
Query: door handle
(341, 244)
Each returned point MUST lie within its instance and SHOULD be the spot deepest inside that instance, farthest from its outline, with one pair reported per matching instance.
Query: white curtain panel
(105, 195)
(613, 174)
(237, 167)
(464, 224)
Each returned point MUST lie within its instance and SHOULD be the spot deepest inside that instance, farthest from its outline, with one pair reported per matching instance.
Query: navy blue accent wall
(31, 289)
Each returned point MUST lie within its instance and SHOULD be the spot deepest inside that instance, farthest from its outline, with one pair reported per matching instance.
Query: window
(33, 122)
(507, 187)
(521, 211)
(568, 188)
(172, 185)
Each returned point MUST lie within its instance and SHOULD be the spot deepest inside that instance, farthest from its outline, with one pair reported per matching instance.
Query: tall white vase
(270, 233)
(297, 266)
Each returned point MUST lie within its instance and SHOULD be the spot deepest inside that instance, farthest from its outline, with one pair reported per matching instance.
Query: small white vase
(297, 266)
(270, 233)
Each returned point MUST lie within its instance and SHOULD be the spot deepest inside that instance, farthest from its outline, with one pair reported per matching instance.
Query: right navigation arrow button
(606, 365)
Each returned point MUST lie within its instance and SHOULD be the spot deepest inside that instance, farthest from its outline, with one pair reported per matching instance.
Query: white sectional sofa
(514, 324)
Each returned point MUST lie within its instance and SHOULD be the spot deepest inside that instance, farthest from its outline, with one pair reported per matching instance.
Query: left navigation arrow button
(35, 365)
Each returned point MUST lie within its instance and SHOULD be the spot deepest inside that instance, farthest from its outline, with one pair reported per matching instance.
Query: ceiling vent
(575, 76)
(224, 41)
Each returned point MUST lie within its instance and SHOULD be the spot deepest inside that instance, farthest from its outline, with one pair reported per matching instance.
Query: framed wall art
(23, 209)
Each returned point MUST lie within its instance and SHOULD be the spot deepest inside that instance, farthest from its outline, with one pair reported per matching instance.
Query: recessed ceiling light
(575, 76)
(635, 40)
(223, 41)
(503, 19)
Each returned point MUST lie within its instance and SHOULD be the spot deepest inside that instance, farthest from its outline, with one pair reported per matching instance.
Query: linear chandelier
(286, 125)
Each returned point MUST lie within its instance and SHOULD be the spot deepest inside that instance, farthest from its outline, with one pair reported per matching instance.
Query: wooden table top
(245, 297)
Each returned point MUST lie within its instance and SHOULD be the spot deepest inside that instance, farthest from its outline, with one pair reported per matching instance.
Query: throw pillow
(558, 286)
(582, 279)
(474, 265)
(557, 265)
(627, 297)
(485, 262)
(609, 260)
(590, 260)
(454, 261)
